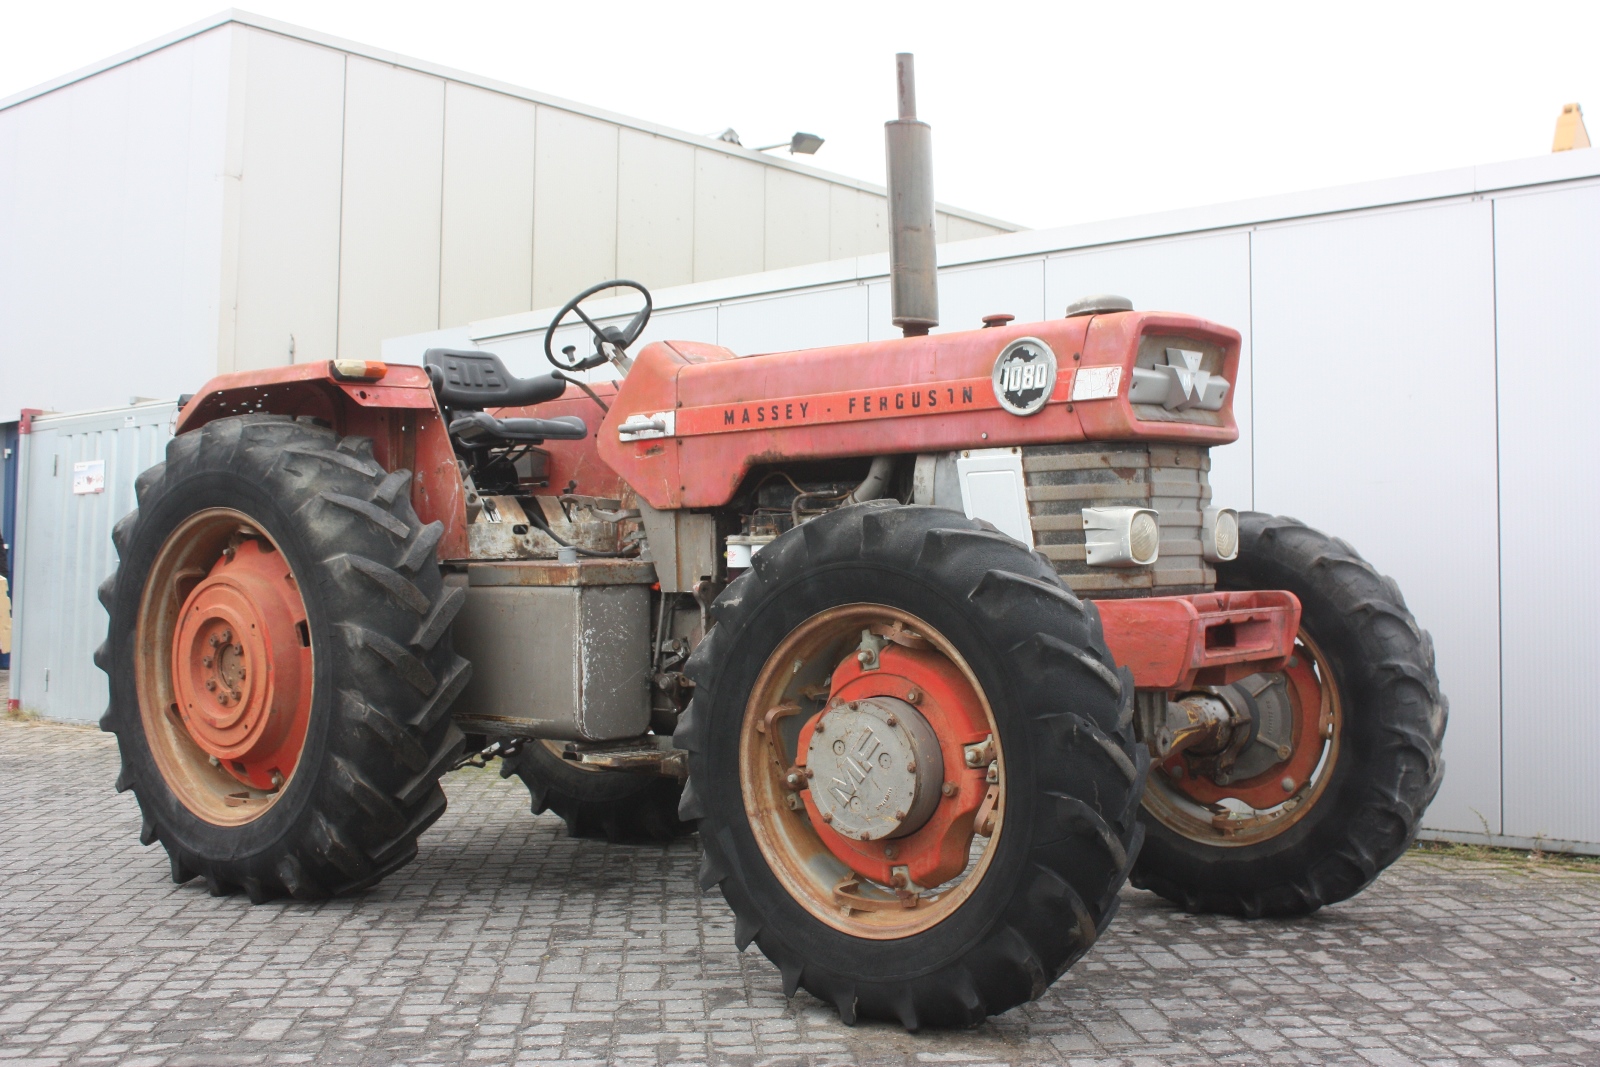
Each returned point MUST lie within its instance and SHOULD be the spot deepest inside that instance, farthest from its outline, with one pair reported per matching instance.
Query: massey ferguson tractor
(936, 641)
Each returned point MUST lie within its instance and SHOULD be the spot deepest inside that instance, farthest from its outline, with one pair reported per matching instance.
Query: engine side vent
(1062, 480)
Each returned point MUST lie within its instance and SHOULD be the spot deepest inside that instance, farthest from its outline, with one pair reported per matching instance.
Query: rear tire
(1389, 729)
(619, 806)
(1060, 717)
(364, 783)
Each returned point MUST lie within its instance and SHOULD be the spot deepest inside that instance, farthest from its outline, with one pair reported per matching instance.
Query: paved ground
(508, 942)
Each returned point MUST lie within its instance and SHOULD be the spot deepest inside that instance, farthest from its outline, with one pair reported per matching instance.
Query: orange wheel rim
(1266, 804)
(849, 884)
(225, 666)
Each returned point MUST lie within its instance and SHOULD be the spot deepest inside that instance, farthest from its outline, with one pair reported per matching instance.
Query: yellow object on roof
(1570, 131)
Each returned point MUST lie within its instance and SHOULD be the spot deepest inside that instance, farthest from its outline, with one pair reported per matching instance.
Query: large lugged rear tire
(275, 583)
(984, 617)
(618, 806)
(1380, 764)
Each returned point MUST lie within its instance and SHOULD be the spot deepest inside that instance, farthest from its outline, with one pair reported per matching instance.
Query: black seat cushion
(467, 379)
(482, 429)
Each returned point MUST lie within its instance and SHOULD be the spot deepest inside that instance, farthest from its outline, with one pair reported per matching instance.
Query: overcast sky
(1043, 113)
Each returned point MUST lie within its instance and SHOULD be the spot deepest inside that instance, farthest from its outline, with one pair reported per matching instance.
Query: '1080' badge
(1024, 375)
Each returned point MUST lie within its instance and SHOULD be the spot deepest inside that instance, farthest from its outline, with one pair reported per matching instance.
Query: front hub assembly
(889, 782)
(1276, 775)
(877, 766)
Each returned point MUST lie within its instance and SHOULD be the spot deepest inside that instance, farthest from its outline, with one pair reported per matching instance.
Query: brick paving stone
(508, 942)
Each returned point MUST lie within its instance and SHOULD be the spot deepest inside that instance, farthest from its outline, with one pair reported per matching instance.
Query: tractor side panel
(912, 395)
(398, 413)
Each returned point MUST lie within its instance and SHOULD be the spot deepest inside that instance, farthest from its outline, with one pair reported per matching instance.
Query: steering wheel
(603, 336)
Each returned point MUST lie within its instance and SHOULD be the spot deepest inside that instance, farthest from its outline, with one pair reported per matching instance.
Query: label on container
(89, 476)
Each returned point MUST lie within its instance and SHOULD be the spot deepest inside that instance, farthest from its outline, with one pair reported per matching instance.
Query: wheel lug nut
(1288, 785)
(915, 696)
(215, 762)
(892, 721)
(948, 789)
(215, 640)
(205, 661)
(277, 780)
(211, 683)
(827, 816)
(911, 766)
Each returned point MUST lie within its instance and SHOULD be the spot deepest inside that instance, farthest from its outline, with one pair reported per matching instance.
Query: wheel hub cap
(878, 768)
(239, 666)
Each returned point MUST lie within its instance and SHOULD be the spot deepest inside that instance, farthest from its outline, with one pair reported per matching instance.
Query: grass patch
(1510, 859)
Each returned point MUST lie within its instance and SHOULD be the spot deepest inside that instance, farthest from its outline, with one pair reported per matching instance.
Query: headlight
(1121, 537)
(1219, 534)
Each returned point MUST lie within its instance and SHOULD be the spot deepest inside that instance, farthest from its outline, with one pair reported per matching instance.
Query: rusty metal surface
(1176, 642)
(398, 413)
(551, 573)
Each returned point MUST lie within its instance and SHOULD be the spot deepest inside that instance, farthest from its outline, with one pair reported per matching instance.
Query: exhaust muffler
(913, 272)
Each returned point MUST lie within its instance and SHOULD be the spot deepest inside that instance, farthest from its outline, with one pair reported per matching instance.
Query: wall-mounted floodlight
(805, 144)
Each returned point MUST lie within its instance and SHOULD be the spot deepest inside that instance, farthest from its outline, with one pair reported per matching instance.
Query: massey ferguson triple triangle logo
(1024, 375)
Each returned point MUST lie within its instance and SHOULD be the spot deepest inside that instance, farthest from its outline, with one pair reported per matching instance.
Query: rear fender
(396, 409)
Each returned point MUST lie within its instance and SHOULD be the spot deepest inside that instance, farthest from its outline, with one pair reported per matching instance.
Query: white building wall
(1374, 416)
(245, 194)
(111, 194)
(1547, 249)
(1415, 378)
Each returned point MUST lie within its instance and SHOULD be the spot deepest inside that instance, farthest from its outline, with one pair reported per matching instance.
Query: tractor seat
(470, 380)
(479, 429)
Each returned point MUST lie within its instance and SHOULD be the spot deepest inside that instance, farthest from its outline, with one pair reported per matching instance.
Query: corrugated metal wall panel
(655, 210)
(64, 551)
(486, 233)
(287, 257)
(1547, 251)
(393, 188)
(111, 216)
(795, 208)
(1375, 422)
(833, 316)
(574, 205)
(967, 294)
(729, 216)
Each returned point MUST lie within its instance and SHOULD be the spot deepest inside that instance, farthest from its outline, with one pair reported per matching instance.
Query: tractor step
(650, 755)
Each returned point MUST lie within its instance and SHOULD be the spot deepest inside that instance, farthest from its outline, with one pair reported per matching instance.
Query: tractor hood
(691, 420)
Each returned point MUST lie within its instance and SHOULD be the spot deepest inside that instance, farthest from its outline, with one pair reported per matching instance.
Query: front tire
(1376, 765)
(279, 660)
(978, 614)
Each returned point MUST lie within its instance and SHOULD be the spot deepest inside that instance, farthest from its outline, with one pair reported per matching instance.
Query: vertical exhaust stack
(913, 273)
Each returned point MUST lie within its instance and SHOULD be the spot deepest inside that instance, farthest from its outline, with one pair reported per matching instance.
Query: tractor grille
(1062, 480)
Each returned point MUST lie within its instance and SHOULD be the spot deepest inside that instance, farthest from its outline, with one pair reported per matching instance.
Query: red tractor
(936, 641)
